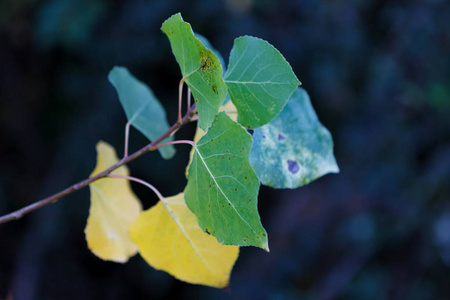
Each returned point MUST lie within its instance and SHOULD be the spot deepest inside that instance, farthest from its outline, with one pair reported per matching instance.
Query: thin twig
(52, 199)
(174, 143)
(180, 98)
(194, 118)
(161, 198)
(127, 133)
(155, 190)
(188, 98)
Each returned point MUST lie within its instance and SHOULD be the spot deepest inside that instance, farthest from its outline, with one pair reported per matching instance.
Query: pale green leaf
(142, 108)
(259, 81)
(222, 189)
(200, 68)
(295, 148)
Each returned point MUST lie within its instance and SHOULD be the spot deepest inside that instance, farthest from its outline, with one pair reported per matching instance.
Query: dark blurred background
(378, 73)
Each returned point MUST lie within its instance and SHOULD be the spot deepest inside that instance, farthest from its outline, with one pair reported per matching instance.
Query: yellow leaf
(230, 110)
(169, 239)
(113, 208)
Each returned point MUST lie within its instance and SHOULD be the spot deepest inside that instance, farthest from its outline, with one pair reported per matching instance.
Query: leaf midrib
(174, 217)
(226, 197)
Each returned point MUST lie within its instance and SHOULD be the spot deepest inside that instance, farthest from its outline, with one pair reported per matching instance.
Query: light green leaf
(295, 148)
(142, 108)
(201, 69)
(208, 45)
(259, 81)
(222, 189)
(219, 57)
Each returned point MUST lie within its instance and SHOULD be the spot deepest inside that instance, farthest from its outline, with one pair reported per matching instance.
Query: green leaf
(142, 108)
(295, 148)
(208, 45)
(219, 57)
(259, 81)
(201, 69)
(222, 189)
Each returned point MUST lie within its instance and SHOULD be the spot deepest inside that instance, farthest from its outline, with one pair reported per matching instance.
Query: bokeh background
(378, 73)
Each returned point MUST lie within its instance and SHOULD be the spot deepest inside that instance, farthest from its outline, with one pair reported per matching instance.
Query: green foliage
(208, 45)
(222, 187)
(289, 148)
(259, 81)
(194, 235)
(143, 109)
(201, 69)
(295, 148)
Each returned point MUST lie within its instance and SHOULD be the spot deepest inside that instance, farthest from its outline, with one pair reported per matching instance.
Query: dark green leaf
(222, 189)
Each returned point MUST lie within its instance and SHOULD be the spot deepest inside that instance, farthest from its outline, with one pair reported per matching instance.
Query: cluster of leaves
(195, 235)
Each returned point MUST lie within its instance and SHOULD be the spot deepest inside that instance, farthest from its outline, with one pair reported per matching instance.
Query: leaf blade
(113, 207)
(222, 187)
(199, 66)
(259, 81)
(194, 256)
(293, 149)
(142, 108)
(230, 110)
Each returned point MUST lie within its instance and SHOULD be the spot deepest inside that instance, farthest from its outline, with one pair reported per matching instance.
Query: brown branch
(52, 199)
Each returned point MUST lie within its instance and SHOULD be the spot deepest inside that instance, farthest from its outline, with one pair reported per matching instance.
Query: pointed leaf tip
(200, 68)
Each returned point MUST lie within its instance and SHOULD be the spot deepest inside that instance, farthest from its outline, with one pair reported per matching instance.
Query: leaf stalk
(188, 117)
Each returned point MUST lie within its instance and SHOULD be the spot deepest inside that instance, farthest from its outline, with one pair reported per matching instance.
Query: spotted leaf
(295, 148)
(222, 187)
